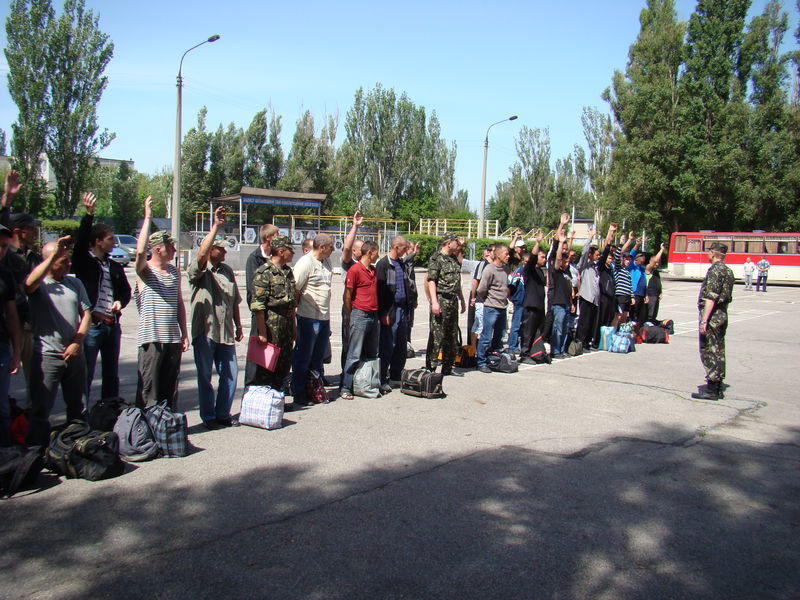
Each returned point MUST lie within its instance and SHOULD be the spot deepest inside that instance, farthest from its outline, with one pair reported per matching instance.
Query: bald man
(61, 316)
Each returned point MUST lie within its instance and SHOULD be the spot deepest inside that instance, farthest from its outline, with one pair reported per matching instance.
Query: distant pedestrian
(10, 338)
(763, 271)
(516, 290)
(394, 309)
(257, 257)
(108, 291)
(162, 334)
(749, 268)
(216, 326)
(61, 319)
(716, 293)
(493, 292)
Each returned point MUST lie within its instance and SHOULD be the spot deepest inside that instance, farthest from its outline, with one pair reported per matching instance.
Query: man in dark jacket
(108, 291)
(394, 295)
(535, 281)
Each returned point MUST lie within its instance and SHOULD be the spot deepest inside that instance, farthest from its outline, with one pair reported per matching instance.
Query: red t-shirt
(364, 285)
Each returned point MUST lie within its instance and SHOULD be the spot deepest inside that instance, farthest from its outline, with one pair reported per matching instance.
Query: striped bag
(169, 428)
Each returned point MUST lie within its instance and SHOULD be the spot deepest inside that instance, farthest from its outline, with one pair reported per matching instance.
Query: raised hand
(591, 232)
(63, 245)
(539, 236)
(564, 218)
(612, 229)
(358, 219)
(663, 247)
(88, 202)
(148, 208)
(11, 187)
(219, 216)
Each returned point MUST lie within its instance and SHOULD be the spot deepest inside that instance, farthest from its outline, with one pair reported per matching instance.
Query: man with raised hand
(589, 292)
(10, 338)
(162, 334)
(108, 291)
(61, 319)
(351, 254)
(216, 326)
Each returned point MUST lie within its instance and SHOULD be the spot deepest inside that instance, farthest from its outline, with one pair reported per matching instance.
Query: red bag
(315, 388)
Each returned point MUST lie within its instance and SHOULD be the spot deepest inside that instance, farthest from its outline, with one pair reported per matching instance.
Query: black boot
(710, 392)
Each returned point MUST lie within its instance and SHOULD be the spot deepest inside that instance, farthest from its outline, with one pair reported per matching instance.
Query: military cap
(221, 242)
(20, 220)
(449, 237)
(280, 242)
(160, 238)
(719, 247)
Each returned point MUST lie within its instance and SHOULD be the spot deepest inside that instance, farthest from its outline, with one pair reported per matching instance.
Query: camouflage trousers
(280, 330)
(444, 334)
(712, 346)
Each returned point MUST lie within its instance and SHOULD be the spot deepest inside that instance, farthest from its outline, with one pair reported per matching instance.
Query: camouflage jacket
(273, 289)
(717, 286)
(446, 272)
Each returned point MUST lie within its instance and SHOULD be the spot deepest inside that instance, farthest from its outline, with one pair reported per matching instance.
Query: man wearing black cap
(109, 292)
(715, 295)
(10, 337)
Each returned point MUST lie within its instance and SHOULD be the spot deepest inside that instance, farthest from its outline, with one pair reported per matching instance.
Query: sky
(474, 63)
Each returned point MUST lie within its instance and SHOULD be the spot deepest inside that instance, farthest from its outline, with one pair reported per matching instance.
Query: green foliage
(78, 53)
(60, 227)
(126, 206)
(195, 188)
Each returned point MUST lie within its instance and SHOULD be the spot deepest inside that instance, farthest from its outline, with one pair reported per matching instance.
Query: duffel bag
(19, 468)
(76, 451)
(575, 348)
(105, 412)
(421, 383)
(170, 429)
(503, 362)
(367, 378)
(606, 337)
(655, 335)
(539, 352)
(262, 407)
(136, 440)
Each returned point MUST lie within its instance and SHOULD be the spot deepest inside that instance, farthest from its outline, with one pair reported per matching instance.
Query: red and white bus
(688, 253)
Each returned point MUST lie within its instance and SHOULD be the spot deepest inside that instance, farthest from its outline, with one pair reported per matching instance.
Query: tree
(27, 34)
(195, 189)
(533, 152)
(598, 131)
(2, 142)
(264, 162)
(78, 53)
(124, 202)
(648, 159)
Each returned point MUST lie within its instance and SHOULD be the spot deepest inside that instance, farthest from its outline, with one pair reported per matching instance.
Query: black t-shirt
(535, 281)
(8, 293)
(561, 293)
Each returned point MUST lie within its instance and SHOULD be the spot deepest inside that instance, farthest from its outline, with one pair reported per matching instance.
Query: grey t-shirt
(56, 308)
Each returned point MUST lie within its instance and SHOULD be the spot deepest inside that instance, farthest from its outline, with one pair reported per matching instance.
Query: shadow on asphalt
(624, 518)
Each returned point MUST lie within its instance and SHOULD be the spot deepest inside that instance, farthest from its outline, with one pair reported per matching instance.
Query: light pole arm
(482, 208)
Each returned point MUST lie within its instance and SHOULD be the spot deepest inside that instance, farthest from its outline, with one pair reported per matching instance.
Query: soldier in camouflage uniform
(715, 295)
(444, 287)
(273, 305)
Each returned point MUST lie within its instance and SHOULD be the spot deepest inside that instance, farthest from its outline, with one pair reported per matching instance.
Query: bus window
(693, 246)
(783, 247)
(772, 247)
(707, 244)
(755, 247)
(740, 247)
(680, 243)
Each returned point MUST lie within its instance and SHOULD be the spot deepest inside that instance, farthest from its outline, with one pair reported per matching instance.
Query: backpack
(19, 468)
(539, 352)
(76, 451)
(136, 439)
(367, 378)
(503, 362)
(169, 428)
(421, 383)
(103, 415)
(654, 335)
(262, 407)
(315, 388)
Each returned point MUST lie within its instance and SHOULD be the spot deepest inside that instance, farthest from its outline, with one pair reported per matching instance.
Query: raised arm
(205, 248)
(11, 188)
(144, 235)
(82, 241)
(657, 257)
(562, 223)
(538, 244)
(585, 252)
(347, 248)
(35, 277)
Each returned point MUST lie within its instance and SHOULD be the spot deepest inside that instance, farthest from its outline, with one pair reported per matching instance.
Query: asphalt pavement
(594, 477)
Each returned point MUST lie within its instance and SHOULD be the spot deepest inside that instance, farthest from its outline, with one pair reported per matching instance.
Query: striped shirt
(157, 302)
(622, 277)
(105, 295)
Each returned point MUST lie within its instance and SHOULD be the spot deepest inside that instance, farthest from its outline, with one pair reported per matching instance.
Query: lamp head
(215, 37)
(512, 118)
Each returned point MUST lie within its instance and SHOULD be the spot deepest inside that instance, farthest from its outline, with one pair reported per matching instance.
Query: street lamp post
(176, 167)
(482, 212)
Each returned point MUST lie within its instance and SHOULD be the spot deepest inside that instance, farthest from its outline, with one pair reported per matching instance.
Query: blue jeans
(558, 337)
(5, 381)
(363, 343)
(104, 339)
(394, 341)
(516, 322)
(494, 325)
(223, 357)
(309, 352)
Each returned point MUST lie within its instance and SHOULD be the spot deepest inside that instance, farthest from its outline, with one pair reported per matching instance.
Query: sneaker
(229, 422)
(484, 369)
(385, 389)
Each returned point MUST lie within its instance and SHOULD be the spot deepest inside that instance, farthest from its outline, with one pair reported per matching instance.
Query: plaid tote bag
(262, 407)
(170, 430)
